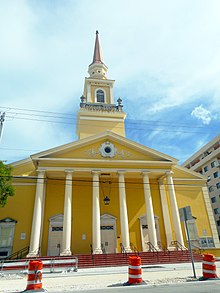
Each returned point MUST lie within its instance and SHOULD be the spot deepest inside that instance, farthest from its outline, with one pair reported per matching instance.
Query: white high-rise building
(207, 162)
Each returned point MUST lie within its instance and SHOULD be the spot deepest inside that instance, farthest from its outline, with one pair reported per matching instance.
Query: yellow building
(103, 192)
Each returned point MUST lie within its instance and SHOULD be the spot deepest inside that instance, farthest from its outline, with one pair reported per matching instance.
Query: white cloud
(164, 56)
(202, 114)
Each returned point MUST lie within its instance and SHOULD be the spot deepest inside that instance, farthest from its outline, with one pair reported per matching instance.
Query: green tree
(6, 188)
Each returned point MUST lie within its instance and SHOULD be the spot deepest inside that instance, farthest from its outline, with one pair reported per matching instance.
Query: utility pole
(2, 119)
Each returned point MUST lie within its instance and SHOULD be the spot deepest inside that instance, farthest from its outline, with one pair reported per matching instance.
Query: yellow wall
(193, 197)
(54, 205)
(91, 127)
(20, 208)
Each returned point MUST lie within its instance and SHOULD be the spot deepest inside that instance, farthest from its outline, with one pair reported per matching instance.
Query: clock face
(107, 150)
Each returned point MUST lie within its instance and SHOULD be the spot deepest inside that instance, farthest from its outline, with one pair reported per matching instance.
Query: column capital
(145, 173)
(169, 173)
(68, 171)
(96, 172)
(121, 172)
(41, 172)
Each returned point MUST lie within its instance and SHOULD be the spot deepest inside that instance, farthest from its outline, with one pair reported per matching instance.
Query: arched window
(100, 96)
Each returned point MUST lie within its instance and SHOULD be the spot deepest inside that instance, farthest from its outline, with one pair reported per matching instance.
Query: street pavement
(109, 279)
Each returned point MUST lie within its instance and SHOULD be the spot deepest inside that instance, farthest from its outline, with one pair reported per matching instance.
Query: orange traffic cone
(134, 271)
(34, 281)
(209, 267)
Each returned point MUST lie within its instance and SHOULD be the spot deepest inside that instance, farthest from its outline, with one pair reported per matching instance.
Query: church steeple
(98, 111)
(97, 69)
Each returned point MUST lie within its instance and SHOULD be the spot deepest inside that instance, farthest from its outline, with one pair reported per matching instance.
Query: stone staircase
(122, 259)
(108, 260)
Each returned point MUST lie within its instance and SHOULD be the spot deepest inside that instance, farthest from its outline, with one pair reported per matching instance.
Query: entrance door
(55, 236)
(108, 233)
(144, 231)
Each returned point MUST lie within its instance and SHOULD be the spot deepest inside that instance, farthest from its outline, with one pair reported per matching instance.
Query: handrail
(152, 248)
(178, 245)
(18, 254)
(134, 248)
(103, 249)
(122, 248)
(197, 248)
(162, 247)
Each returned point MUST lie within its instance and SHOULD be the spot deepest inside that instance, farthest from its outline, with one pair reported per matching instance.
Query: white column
(111, 95)
(89, 93)
(174, 209)
(150, 211)
(166, 214)
(67, 217)
(123, 213)
(96, 232)
(37, 216)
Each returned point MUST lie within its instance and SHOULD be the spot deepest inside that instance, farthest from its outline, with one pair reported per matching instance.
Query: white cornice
(189, 179)
(102, 161)
(101, 169)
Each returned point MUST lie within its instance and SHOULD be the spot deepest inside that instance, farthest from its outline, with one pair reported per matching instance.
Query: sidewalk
(99, 278)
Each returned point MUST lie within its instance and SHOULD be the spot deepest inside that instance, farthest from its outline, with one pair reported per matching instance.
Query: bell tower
(98, 111)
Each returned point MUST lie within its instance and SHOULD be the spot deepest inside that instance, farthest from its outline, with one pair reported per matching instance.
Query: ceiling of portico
(104, 174)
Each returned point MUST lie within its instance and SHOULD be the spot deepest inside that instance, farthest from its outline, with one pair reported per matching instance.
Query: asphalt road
(192, 287)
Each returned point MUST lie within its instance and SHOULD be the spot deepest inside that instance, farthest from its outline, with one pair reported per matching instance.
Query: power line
(91, 181)
(67, 116)
(121, 127)
(11, 149)
(33, 110)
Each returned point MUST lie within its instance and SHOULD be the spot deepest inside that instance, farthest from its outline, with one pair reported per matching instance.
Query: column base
(127, 250)
(66, 252)
(34, 253)
(171, 248)
(97, 251)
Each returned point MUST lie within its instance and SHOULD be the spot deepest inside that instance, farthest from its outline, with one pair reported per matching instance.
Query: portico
(121, 179)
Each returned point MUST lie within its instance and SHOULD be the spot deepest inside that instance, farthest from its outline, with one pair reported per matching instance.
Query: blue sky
(164, 56)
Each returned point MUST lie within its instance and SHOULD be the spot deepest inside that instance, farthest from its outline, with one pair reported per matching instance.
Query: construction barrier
(34, 281)
(50, 265)
(134, 270)
(209, 267)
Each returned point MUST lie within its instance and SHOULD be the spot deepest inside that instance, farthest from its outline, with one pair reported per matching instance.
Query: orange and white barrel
(209, 267)
(134, 270)
(34, 281)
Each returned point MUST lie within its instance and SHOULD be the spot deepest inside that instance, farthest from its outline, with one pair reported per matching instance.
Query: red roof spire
(97, 57)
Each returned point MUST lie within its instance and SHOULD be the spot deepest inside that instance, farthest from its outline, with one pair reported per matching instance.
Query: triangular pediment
(8, 220)
(105, 146)
(108, 217)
